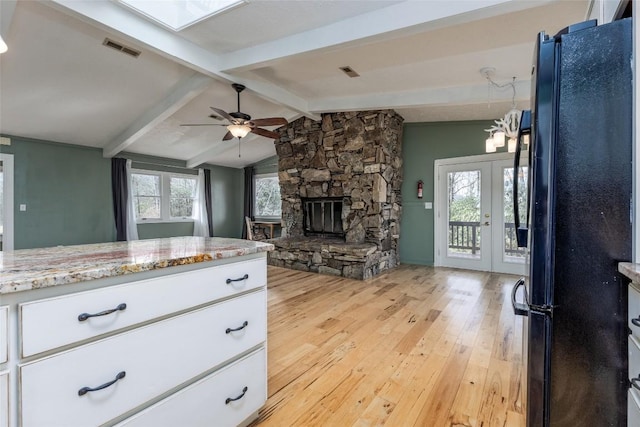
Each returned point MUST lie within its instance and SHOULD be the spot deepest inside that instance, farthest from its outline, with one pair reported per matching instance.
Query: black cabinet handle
(519, 308)
(233, 399)
(634, 382)
(85, 316)
(636, 321)
(244, 325)
(85, 390)
(245, 277)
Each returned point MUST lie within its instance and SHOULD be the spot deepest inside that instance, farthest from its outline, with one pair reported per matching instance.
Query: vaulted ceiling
(422, 58)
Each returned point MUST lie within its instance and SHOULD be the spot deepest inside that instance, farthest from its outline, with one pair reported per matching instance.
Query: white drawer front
(4, 333)
(204, 404)
(54, 322)
(155, 359)
(4, 399)
(634, 359)
(633, 409)
(634, 311)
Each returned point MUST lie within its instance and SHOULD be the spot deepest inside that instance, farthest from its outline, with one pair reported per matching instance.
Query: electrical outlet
(23, 208)
(428, 205)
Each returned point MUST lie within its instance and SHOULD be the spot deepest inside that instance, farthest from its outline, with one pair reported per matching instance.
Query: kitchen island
(150, 332)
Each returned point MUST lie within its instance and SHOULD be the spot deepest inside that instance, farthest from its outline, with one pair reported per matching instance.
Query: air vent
(122, 48)
(349, 72)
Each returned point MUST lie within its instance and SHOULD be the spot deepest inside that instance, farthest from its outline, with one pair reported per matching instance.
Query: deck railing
(464, 236)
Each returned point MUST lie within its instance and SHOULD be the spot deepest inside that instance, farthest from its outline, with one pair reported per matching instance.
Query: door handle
(519, 308)
(486, 223)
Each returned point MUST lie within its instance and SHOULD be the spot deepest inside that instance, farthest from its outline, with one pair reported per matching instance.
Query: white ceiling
(421, 58)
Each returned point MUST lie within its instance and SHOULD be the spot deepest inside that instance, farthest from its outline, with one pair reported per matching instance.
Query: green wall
(67, 190)
(422, 145)
(268, 165)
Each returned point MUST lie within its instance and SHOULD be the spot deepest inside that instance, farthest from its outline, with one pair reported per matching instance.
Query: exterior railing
(465, 236)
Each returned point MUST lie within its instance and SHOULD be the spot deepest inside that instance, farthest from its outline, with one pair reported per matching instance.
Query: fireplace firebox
(323, 217)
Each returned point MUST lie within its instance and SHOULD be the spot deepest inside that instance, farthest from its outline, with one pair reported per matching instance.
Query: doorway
(474, 225)
(6, 202)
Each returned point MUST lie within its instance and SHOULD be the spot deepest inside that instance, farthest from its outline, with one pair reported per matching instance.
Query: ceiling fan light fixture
(239, 131)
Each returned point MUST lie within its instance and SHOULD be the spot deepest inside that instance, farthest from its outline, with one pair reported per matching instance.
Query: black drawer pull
(229, 399)
(245, 277)
(636, 321)
(85, 316)
(85, 390)
(634, 382)
(244, 325)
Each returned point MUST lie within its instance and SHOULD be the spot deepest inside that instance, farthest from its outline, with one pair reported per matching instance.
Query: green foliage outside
(267, 200)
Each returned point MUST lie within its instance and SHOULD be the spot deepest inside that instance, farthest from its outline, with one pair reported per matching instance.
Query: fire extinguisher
(420, 189)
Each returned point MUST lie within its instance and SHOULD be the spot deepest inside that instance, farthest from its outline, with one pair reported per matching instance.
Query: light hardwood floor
(417, 346)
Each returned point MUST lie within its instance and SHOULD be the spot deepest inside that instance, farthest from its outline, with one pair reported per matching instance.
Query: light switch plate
(23, 208)
(5, 140)
(428, 205)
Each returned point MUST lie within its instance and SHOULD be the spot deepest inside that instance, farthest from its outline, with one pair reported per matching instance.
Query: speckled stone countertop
(27, 269)
(631, 270)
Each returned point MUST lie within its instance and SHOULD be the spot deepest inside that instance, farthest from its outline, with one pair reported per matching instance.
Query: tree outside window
(267, 203)
(163, 196)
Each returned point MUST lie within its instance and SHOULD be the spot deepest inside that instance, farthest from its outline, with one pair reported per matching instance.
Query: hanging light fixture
(239, 131)
(3, 45)
(506, 127)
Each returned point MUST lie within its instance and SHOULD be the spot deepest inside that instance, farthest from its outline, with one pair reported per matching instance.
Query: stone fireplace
(340, 182)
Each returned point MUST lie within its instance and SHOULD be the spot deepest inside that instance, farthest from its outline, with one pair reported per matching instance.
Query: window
(266, 202)
(163, 196)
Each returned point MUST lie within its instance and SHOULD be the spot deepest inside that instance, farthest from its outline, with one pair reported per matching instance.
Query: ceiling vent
(349, 71)
(122, 48)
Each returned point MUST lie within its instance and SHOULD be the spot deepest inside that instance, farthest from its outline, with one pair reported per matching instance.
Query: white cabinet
(4, 399)
(72, 318)
(633, 407)
(4, 340)
(179, 336)
(225, 398)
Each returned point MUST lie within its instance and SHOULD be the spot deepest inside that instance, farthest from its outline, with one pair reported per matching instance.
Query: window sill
(163, 221)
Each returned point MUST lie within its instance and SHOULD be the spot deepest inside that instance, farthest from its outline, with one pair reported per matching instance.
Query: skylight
(179, 14)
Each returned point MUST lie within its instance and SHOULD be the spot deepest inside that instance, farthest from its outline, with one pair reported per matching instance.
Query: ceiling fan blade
(264, 132)
(224, 114)
(227, 136)
(203, 124)
(271, 121)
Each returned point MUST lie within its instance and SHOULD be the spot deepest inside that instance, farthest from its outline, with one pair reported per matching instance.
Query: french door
(474, 224)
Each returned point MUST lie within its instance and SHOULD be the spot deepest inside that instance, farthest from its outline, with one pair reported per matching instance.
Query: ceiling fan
(241, 124)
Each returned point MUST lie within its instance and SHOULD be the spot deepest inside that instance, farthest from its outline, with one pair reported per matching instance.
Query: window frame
(255, 187)
(165, 196)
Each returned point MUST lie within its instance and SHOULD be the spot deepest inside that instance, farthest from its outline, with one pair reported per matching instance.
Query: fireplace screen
(323, 217)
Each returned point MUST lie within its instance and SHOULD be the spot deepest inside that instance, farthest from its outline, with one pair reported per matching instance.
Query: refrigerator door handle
(520, 308)
(522, 230)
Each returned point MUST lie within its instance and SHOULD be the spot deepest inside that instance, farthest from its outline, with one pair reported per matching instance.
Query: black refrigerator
(576, 224)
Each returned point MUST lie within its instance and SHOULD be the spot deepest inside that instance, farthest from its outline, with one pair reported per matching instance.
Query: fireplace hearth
(340, 182)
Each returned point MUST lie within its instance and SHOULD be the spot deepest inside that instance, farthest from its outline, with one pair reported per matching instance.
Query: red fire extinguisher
(420, 189)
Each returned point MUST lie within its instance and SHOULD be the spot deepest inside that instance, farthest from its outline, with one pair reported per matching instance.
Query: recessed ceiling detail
(122, 48)
(180, 14)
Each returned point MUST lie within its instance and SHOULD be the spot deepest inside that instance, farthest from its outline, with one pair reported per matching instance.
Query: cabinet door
(209, 401)
(633, 409)
(154, 359)
(131, 304)
(4, 399)
(634, 311)
(4, 333)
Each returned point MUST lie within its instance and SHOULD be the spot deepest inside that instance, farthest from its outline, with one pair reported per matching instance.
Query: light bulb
(512, 145)
(239, 131)
(498, 138)
(489, 147)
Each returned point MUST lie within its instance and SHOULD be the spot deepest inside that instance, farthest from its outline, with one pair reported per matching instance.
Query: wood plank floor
(417, 346)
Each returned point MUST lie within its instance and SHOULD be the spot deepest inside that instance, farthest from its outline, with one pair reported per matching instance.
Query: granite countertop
(27, 269)
(631, 270)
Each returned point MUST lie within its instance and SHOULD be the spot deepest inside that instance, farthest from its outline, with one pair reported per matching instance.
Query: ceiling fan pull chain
(239, 140)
